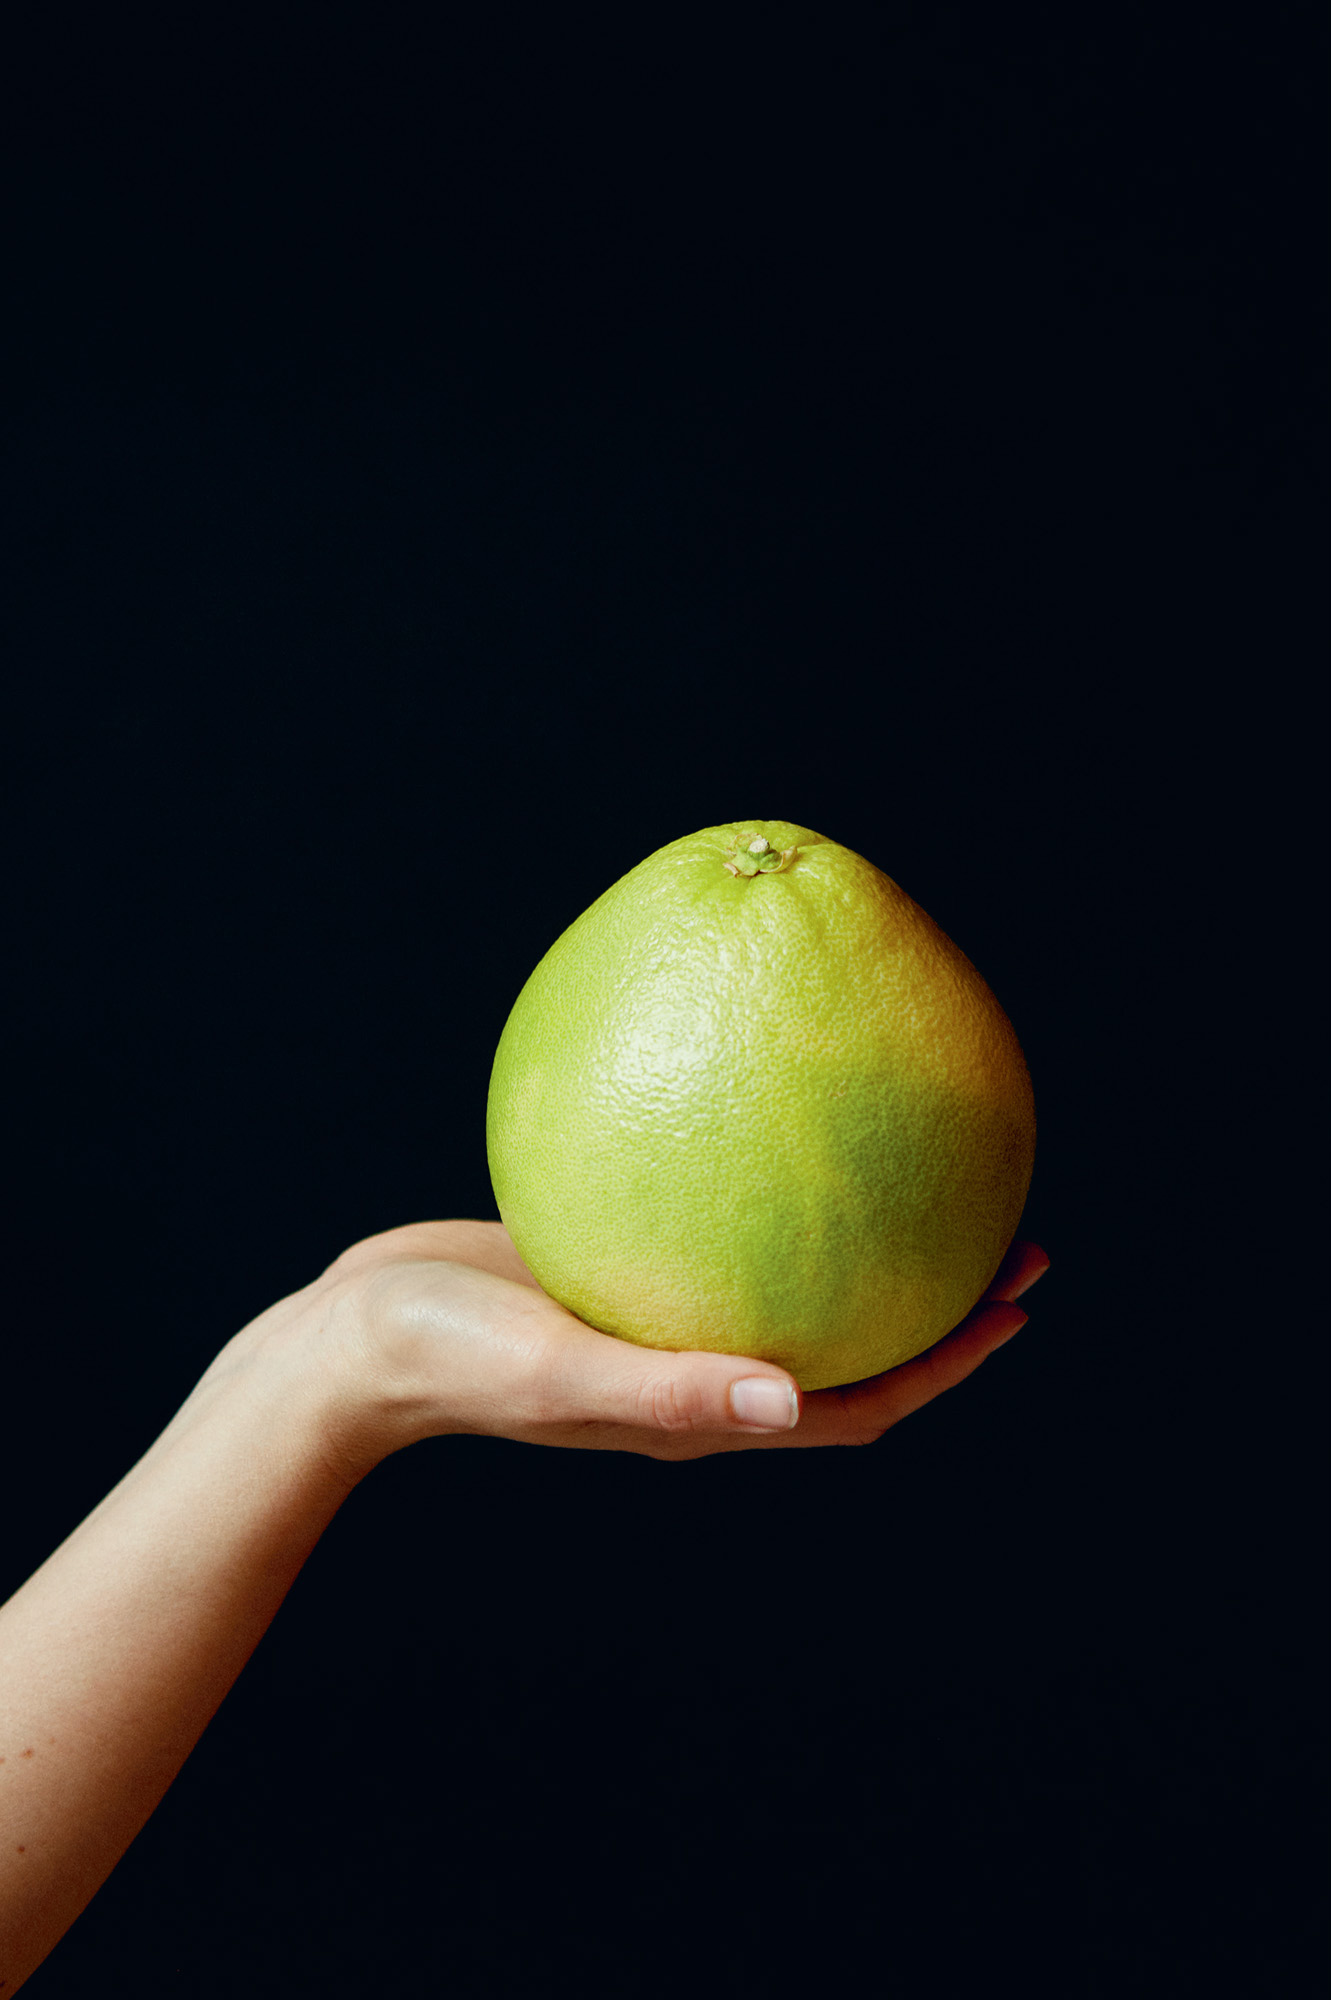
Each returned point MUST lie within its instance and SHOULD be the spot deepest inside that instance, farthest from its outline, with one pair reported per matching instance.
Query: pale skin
(116, 1654)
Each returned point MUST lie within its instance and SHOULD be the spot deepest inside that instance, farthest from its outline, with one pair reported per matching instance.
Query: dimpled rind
(778, 1115)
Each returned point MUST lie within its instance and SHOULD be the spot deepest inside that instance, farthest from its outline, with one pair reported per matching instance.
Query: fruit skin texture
(778, 1115)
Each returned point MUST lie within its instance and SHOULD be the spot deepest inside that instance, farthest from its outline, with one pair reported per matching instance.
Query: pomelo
(755, 1101)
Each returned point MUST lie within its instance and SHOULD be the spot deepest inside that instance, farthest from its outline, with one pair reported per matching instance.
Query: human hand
(451, 1334)
(117, 1651)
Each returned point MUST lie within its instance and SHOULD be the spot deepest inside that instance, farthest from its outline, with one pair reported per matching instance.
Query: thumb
(712, 1392)
(678, 1393)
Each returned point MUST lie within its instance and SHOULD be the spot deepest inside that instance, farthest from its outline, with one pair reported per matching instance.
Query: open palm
(454, 1304)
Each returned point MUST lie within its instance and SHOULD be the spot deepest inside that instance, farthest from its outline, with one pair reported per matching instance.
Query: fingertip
(1033, 1276)
(765, 1403)
(1008, 1320)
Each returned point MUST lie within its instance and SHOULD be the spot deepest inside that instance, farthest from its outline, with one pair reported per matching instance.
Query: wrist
(318, 1364)
(287, 1391)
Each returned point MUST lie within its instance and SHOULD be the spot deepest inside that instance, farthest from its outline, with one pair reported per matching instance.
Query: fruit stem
(758, 858)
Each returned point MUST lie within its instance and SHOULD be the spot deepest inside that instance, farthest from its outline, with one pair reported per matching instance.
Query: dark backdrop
(443, 466)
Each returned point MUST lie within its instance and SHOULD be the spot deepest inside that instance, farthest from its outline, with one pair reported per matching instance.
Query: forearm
(118, 1651)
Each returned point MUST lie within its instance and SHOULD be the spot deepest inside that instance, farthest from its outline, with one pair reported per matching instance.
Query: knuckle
(356, 1258)
(412, 1238)
(665, 1404)
(345, 1261)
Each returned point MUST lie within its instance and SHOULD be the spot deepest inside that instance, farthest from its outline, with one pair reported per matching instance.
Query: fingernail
(764, 1405)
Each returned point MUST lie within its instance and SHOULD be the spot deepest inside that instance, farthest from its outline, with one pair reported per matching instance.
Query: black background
(446, 462)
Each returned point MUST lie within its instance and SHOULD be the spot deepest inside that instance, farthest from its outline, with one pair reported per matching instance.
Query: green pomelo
(754, 1101)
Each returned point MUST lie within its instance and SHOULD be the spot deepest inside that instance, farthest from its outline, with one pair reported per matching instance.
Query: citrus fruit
(754, 1101)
